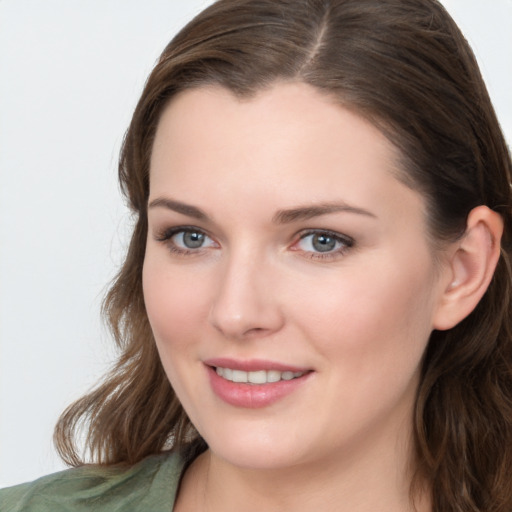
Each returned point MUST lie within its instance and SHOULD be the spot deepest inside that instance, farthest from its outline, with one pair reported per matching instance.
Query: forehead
(287, 144)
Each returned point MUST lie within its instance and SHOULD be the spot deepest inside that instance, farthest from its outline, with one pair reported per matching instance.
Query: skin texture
(358, 317)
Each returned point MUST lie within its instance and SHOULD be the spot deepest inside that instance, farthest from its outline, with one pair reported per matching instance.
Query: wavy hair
(405, 66)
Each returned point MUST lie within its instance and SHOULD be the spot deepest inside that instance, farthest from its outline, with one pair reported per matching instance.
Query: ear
(470, 267)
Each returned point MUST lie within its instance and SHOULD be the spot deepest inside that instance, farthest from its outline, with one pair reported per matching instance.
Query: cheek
(370, 317)
(175, 312)
(174, 303)
(371, 333)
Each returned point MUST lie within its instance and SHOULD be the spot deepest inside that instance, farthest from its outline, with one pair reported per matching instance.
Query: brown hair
(404, 65)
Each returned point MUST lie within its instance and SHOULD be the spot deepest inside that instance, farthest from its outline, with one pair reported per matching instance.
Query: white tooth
(273, 376)
(259, 377)
(239, 376)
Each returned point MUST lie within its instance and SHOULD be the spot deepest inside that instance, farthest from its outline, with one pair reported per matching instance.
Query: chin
(257, 447)
(256, 458)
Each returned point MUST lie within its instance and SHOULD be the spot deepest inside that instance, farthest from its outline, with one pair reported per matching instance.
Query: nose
(245, 304)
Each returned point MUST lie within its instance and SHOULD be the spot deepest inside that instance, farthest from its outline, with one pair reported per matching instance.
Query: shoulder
(149, 485)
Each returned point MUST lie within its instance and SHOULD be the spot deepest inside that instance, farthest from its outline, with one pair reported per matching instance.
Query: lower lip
(253, 396)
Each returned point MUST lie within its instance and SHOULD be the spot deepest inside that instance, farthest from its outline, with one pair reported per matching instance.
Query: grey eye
(319, 242)
(323, 242)
(192, 239)
(187, 240)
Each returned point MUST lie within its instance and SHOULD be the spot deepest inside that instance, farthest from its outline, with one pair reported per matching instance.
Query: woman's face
(283, 250)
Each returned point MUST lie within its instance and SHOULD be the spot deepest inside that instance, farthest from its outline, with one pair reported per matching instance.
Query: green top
(148, 486)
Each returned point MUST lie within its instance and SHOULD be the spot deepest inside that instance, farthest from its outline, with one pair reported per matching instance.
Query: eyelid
(334, 234)
(161, 235)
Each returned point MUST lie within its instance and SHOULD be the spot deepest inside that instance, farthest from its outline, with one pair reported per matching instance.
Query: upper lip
(253, 365)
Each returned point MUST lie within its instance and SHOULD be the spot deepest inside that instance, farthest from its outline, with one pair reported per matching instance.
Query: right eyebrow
(179, 207)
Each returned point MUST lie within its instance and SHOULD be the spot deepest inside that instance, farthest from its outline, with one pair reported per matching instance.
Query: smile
(256, 377)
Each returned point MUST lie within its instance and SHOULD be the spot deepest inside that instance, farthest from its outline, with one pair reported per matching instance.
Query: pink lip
(252, 365)
(252, 396)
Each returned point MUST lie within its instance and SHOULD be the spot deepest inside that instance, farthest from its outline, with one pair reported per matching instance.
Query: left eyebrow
(308, 212)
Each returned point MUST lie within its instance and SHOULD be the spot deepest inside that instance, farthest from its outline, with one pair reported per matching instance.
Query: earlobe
(471, 264)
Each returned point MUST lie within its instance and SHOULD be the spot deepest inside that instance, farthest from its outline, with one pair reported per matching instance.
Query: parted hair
(405, 66)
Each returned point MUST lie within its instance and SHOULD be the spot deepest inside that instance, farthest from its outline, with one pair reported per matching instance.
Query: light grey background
(70, 75)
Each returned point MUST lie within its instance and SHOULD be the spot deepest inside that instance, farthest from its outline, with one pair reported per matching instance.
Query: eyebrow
(281, 217)
(179, 207)
(308, 212)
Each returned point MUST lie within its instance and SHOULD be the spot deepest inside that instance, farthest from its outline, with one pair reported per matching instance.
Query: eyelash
(345, 241)
(166, 237)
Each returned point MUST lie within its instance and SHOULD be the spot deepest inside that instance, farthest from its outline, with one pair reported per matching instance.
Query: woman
(314, 308)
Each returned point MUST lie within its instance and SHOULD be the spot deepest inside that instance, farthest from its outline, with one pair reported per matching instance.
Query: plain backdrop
(71, 72)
